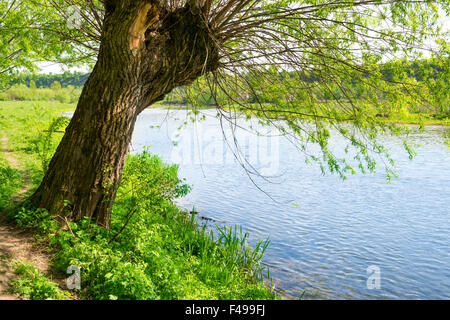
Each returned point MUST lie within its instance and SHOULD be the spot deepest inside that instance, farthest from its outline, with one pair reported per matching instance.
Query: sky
(51, 67)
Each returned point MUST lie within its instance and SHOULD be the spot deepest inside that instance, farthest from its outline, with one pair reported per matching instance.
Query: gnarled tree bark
(145, 52)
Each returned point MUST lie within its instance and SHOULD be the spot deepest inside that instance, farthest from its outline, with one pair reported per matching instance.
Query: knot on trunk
(148, 15)
(190, 45)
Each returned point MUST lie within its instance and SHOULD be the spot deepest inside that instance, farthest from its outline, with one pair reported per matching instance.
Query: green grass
(153, 249)
(32, 284)
(25, 124)
(10, 184)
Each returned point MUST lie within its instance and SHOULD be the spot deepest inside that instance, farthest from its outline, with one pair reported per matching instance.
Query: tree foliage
(270, 50)
(76, 79)
(266, 58)
(28, 36)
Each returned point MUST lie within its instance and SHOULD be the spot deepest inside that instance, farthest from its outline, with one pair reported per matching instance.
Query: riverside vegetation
(430, 79)
(179, 99)
(153, 250)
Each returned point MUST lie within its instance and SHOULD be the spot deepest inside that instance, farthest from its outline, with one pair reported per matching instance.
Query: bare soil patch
(19, 244)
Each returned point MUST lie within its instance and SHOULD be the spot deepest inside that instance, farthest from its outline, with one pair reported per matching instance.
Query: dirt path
(15, 243)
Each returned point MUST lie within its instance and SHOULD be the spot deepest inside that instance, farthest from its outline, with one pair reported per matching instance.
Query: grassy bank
(153, 250)
(420, 118)
(20, 92)
(24, 125)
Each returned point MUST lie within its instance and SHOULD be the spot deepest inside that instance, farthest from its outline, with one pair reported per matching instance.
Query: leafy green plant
(9, 183)
(39, 219)
(33, 285)
(44, 143)
(153, 249)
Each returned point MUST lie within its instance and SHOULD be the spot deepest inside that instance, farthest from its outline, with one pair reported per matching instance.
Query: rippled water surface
(328, 236)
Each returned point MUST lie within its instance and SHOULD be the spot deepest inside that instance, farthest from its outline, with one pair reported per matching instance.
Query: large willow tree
(241, 50)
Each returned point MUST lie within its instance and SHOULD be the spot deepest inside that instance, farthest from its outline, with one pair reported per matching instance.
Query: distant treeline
(76, 79)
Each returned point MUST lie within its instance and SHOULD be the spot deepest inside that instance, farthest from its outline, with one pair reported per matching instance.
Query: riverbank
(324, 232)
(153, 249)
(424, 119)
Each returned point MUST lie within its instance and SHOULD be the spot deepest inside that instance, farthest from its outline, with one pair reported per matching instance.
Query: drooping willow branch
(278, 59)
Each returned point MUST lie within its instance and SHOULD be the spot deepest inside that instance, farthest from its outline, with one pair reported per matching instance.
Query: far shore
(428, 122)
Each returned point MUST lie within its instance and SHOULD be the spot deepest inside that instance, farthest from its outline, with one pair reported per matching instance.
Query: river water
(356, 239)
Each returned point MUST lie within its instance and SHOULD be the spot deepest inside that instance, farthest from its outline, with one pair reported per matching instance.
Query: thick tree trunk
(86, 168)
(136, 67)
